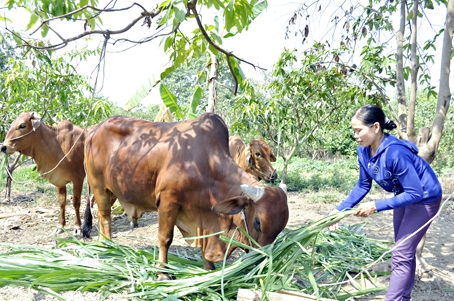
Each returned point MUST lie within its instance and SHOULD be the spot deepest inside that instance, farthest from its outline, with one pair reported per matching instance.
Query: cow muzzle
(269, 178)
(5, 149)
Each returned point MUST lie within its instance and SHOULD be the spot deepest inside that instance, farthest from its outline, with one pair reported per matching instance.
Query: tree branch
(193, 9)
(65, 42)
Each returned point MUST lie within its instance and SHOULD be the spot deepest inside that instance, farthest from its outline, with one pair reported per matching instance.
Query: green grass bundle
(309, 259)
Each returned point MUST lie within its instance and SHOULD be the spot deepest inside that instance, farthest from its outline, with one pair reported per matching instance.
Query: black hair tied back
(389, 124)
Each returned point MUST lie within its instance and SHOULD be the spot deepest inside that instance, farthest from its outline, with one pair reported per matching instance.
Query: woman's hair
(369, 114)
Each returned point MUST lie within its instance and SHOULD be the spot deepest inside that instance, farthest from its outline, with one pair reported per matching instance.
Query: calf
(58, 153)
(254, 158)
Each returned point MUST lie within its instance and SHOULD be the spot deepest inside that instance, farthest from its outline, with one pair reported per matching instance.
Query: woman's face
(365, 135)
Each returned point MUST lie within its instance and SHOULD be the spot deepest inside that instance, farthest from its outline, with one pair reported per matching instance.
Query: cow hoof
(164, 277)
(59, 230)
(77, 232)
(133, 225)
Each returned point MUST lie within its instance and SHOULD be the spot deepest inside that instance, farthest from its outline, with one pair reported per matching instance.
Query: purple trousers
(406, 221)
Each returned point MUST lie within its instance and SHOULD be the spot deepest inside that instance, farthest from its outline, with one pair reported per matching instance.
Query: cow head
(20, 134)
(265, 212)
(258, 158)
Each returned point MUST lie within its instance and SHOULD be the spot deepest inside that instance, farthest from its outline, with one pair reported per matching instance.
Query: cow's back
(236, 150)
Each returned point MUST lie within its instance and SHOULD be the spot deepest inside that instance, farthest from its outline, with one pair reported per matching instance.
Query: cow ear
(231, 206)
(36, 122)
(248, 159)
(248, 156)
(272, 157)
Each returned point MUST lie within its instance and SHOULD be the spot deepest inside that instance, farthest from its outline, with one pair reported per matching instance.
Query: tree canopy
(363, 41)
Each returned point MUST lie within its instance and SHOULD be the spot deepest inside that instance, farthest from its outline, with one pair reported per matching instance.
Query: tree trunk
(429, 142)
(8, 189)
(9, 179)
(411, 133)
(429, 149)
(402, 105)
(212, 85)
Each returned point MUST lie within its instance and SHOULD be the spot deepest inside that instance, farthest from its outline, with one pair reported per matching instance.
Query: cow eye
(257, 154)
(257, 224)
(22, 126)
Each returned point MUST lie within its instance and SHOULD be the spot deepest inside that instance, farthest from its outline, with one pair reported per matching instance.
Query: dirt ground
(24, 220)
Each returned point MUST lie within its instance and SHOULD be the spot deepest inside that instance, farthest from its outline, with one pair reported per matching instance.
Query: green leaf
(410, 15)
(215, 38)
(166, 72)
(180, 15)
(33, 19)
(82, 3)
(237, 71)
(44, 30)
(311, 277)
(230, 34)
(429, 4)
(216, 22)
(92, 23)
(258, 9)
(229, 17)
(168, 42)
(2, 167)
(17, 37)
(196, 97)
(140, 94)
(170, 100)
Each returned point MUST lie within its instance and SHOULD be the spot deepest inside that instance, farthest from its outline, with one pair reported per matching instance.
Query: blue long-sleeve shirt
(397, 168)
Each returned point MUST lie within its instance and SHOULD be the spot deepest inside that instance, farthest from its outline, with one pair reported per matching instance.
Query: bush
(305, 175)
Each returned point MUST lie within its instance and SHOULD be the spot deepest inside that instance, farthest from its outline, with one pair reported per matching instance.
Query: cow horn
(283, 187)
(253, 192)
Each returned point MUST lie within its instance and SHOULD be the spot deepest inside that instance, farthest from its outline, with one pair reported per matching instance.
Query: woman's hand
(365, 209)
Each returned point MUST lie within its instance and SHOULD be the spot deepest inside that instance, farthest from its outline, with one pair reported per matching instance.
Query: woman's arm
(359, 191)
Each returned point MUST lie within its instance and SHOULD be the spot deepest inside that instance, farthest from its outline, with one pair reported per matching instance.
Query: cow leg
(134, 223)
(104, 203)
(77, 187)
(105, 222)
(61, 191)
(167, 216)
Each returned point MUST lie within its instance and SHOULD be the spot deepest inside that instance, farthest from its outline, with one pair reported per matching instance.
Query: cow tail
(88, 219)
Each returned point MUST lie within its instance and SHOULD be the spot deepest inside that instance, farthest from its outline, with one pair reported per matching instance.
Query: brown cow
(58, 153)
(254, 158)
(183, 171)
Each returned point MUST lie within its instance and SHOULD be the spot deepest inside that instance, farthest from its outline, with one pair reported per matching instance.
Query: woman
(395, 165)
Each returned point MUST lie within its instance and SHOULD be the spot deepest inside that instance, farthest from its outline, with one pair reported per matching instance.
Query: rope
(264, 175)
(243, 218)
(31, 131)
